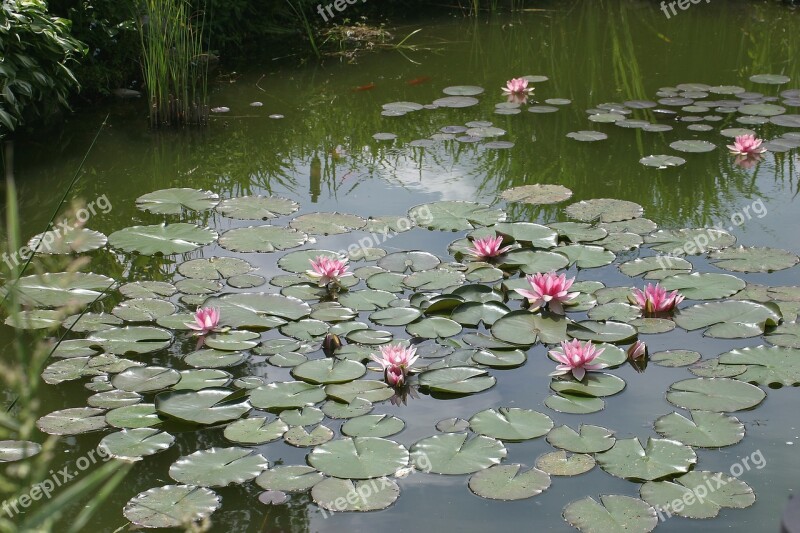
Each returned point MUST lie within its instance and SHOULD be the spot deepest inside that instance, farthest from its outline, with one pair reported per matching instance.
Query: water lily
(205, 320)
(396, 356)
(746, 145)
(655, 299)
(517, 86)
(487, 248)
(637, 349)
(328, 270)
(576, 358)
(549, 289)
(395, 377)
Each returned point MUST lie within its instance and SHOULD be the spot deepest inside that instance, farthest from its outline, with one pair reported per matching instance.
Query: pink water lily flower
(205, 320)
(637, 350)
(746, 145)
(655, 299)
(397, 356)
(517, 86)
(549, 289)
(487, 248)
(576, 358)
(395, 377)
(328, 270)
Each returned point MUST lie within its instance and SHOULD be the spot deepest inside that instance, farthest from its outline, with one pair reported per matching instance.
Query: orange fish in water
(367, 87)
(418, 81)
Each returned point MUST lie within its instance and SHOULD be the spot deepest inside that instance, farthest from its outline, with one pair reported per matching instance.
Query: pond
(614, 68)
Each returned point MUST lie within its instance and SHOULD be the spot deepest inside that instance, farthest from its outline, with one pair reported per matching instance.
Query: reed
(175, 68)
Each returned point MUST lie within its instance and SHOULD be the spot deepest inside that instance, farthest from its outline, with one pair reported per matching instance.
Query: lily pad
(511, 424)
(214, 268)
(588, 439)
(706, 429)
(327, 223)
(455, 216)
(689, 241)
(457, 380)
(537, 194)
(175, 201)
(674, 358)
(574, 404)
(372, 426)
(72, 421)
(662, 161)
(729, 492)
(660, 458)
(207, 406)
(348, 495)
(323, 371)
(257, 207)
(766, 365)
(60, 289)
(72, 241)
(715, 394)
(133, 444)
(359, 457)
(178, 238)
(560, 464)
(509, 482)
(614, 513)
(289, 478)
(731, 319)
(256, 430)
(754, 259)
(693, 146)
(286, 395)
(262, 239)
(604, 210)
(171, 506)
(218, 467)
(455, 453)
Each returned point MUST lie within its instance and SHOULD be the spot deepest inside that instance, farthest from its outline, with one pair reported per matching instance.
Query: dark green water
(593, 52)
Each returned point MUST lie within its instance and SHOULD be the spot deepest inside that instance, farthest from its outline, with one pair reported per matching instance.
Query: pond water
(323, 156)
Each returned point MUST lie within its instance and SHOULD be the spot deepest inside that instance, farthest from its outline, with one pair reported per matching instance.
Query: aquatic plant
(747, 145)
(328, 270)
(488, 248)
(576, 358)
(655, 299)
(517, 86)
(549, 290)
(206, 320)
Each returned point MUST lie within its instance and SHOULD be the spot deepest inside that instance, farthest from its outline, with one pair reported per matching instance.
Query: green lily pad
(148, 289)
(210, 358)
(715, 394)
(531, 262)
(537, 194)
(286, 395)
(257, 207)
(574, 404)
(256, 430)
(178, 238)
(766, 365)
(703, 286)
(762, 110)
(90, 322)
(433, 280)
(579, 232)
(359, 457)
(338, 410)
(693, 146)
(262, 239)
(662, 161)
(404, 261)
(60, 289)
(233, 341)
(770, 79)
(729, 492)
(754, 259)
(604, 210)
(433, 328)
(659, 459)
(258, 310)
(139, 340)
(616, 311)
(175, 201)
(141, 415)
(455, 453)
(674, 358)
(560, 464)
(656, 267)
(72, 421)
(349, 495)
(786, 335)
(608, 331)
(500, 358)
(290, 478)
(327, 223)
(143, 309)
(586, 256)
(594, 384)
(395, 316)
(114, 398)
(72, 241)
(133, 444)
(370, 390)
(218, 467)
(679, 242)
(706, 429)
(511, 424)
(455, 216)
(614, 513)
(372, 426)
(730, 319)
(711, 368)
(207, 406)
(171, 506)
(146, 379)
(369, 336)
(588, 439)
(587, 135)
(16, 450)
(214, 268)
(526, 328)
(323, 371)
(306, 416)
(509, 482)
(457, 380)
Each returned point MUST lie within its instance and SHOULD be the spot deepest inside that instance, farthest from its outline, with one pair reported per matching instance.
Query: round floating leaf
(786, 335)
(257, 207)
(171, 506)
(766, 365)
(509, 482)
(114, 398)
(395, 316)
(754, 259)
(586, 256)
(604, 210)
(208, 406)
(177, 238)
(133, 444)
(404, 261)
(72, 421)
(770, 79)
(689, 241)
(433, 280)
(537, 235)
(359, 457)
(674, 358)
(262, 239)
(594, 384)
(457, 380)
(291, 478)
(174, 201)
(72, 241)
(526, 328)
(433, 328)
(715, 394)
(372, 426)
(143, 309)
(218, 467)
(705, 429)
(89, 322)
(693, 146)
(138, 340)
(370, 390)
(614, 513)
(579, 232)
(327, 223)
(307, 416)
(537, 194)
(256, 430)
(611, 332)
(357, 407)
(214, 268)
(729, 492)
(250, 309)
(456, 101)
(711, 368)
(463, 90)
(455, 216)
(146, 379)
(16, 450)
(662, 161)
(702, 286)
(659, 459)
(60, 289)
(500, 359)
(729, 320)
(141, 415)
(286, 395)
(454, 453)
(452, 425)
(349, 495)
(233, 341)
(559, 464)
(789, 121)
(300, 437)
(329, 371)
(762, 110)
(587, 135)
(511, 424)
(574, 404)
(591, 439)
